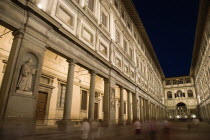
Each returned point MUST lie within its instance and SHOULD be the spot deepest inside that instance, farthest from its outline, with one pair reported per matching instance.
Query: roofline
(201, 21)
(178, 77)
(129, 5)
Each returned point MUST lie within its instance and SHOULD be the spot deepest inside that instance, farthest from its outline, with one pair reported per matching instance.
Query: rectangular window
(126, 69)
(103, 49)
(64, 15)
(188, 80)
(91, 5)
(181, 81)
(62, 91)
(117, 37)
(137, 62)
(87, 35)
(125, 46)
(104, 19)
(118, 62)
(168, 82)
(84, 100)
(131, 53)
(132, 74)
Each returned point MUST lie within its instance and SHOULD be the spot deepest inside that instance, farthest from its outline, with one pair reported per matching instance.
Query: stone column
(69, 91)
(8, 76)
(134, 101)
(106, 102)
(129, 107)
(144, 114)
(140, 107)
(92, 96)
(18, 104)
(121, 117)
(147, 110)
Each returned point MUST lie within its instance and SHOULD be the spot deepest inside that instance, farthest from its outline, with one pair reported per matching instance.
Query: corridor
(178, 131)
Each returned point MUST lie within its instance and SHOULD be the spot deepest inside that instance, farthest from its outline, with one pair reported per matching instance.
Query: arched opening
(179, 93)
(190, 94)
(181, 111)
(169, 95)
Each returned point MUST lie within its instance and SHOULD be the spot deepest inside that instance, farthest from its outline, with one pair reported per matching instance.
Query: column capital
(18, 33)
(92, 72)
(106, 80)
(71, 61)
(128, 91)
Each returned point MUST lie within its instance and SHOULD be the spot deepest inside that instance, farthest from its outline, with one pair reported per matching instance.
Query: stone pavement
(178, 131)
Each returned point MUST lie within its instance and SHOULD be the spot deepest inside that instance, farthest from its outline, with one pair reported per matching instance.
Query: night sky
(170, 25)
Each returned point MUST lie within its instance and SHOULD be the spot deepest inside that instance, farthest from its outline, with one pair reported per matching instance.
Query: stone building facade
(180, 96)
(200, 68)
(67, 60)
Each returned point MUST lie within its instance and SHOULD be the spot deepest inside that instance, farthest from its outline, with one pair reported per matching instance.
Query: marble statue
(25, 78)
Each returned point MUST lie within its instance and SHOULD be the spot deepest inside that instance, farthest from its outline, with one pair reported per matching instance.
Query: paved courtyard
(178, 131)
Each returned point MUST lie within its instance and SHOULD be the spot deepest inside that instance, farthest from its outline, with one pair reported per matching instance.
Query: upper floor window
(91, 5)
(190, 93)
(131, 53)
(104, 19)
(181, 81)
(168, 82)
(125, 46)
(137, 61)
(117, 36)
(174, 82)
(126, 69)
(188, 80)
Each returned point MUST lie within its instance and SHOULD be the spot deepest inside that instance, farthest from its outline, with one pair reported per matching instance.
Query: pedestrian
(138, 127)
(94, 130)
(99, 132)
(153, 129)
(85, 128)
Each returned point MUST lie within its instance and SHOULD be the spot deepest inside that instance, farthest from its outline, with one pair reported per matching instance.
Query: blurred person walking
(138, 127)
(85, 128)
(152, 129)
(94, 130)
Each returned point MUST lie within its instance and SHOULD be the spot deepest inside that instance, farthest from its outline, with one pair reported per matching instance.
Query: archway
(181, 111)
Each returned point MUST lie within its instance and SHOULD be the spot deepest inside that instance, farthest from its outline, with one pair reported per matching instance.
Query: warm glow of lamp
(40, 6)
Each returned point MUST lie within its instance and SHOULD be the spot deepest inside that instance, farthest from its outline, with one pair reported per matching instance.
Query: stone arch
(180, 104)
(190, 93)
(169, 94)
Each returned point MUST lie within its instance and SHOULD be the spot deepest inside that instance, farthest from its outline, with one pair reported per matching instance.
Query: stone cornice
(201, 21)
(140, 27)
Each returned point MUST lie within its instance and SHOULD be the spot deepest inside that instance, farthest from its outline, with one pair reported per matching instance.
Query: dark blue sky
(170, 25)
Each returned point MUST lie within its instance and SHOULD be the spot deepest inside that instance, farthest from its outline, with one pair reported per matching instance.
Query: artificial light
(40, 6)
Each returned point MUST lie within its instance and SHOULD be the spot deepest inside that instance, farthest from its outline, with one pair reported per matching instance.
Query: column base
(65, 125)
(11, 128)
(122, 123)
(129, 122)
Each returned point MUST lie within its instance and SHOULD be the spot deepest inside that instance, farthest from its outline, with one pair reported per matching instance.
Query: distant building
(65, 60)
(180, 98)
(200, 68)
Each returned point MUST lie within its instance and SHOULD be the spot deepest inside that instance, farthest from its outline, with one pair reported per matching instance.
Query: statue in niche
(113, 99)
(25, 78)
